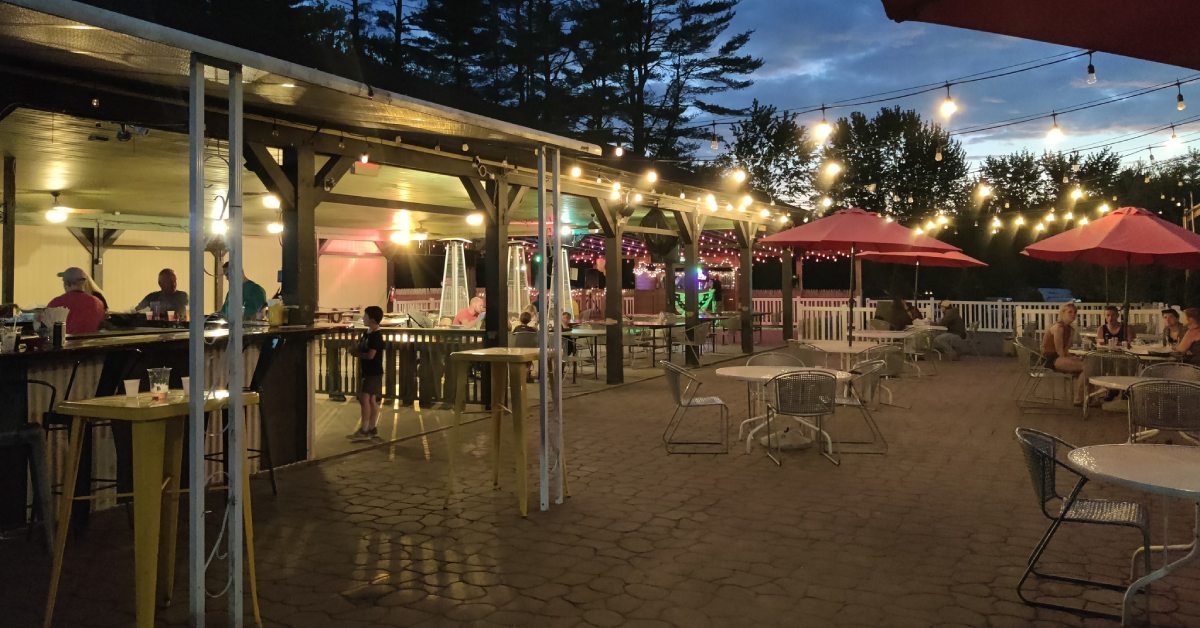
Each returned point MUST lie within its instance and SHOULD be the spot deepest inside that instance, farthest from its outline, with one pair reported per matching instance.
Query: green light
(537, 258)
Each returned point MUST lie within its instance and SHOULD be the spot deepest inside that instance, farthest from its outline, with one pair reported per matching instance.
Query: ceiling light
(764, 212)
(275, 228)
(364, 157)
(400, 237)
(56, 215)
(637, 197)
(565, 231)
(420, 235)
(576, 171)
(271, 201)
(475, 219)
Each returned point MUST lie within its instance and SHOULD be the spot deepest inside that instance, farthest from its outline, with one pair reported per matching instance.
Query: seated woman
(1173, 330)
(898, 318)
(1189, 344)
(913, 311)
(525, 323)
(1056, 346)
(1112, 330)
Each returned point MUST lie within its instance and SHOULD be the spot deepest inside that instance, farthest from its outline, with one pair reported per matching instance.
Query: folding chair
(892, 357)
(684, 388)
(1042, 459)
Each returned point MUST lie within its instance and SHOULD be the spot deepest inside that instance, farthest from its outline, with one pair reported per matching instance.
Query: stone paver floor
(936, 532)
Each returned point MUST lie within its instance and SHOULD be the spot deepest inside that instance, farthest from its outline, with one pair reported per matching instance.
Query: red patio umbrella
(1129, 236)
(847, 231)
(1161, 31)
(948, 259)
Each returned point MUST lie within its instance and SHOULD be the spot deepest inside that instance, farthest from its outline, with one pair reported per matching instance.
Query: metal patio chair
(809, 354)
(1042, 453)
(892, 357)
(684, 388)
(1035, 372)
(860, 392)
(775, 358)
(1099, 363)
(1164, 405)
(808, 397)
(1181, 371)
(700, 334)
(918, 347)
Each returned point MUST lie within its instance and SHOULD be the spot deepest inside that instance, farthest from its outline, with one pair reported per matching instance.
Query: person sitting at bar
(1189, 344)
(166, 299)
(254, 298)
(470, 314)
(1112, 330)
(85, 313)
(1173, 330)
(91, 288)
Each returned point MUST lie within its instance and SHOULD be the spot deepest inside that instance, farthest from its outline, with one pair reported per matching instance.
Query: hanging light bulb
(887, 218)
(1069, 216)
(832, 169)
(618, 151)
(1020, 221)
(823, 129)
(996, 222)
(1083, 221)
(637, 197)
(1091, 77)
(938, 155)
(364, 157)
(739, 175)
(274, 228)
(1173, 141)
(271, 201)
(1040, 227)
(948, 106)
(576, 171)
(714, 145)
(1104, 208)
(826, 202)
(929, 226)
(764, 213)
(942, 220)
(1006, 204)
(219, 227)
(1076, 194)
(1180, 105)
(918, 231)
(1049, 217)
(711, 202)
(1055, 134)
(651, 176)
(985, 190)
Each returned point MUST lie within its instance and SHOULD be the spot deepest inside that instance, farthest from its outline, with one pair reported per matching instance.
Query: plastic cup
(187, 383)
(132, 386)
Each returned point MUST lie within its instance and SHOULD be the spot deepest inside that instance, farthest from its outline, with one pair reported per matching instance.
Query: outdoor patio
(936, 532)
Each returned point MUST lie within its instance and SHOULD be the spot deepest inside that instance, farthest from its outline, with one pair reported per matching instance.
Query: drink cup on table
(132, 386)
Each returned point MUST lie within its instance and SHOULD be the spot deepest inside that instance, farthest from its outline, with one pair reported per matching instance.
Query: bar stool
(31, 442)
(53, 422)
(266, 357)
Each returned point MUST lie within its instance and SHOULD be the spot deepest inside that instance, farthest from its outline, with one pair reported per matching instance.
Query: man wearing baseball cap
(85, 312)
(953, 341)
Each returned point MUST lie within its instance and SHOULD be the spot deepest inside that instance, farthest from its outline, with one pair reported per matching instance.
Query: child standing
(369, 352)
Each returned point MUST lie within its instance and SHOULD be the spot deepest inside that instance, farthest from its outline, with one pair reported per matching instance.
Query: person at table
(93, 289)
(1189, 344)
(469, 315)
(254, 298)
(898, 317)
(1173, 330)
(953, 341)
(525, 323)
(1113, 330)
(1056, 349)
(85, 313)
(168, 298)
(913, 311)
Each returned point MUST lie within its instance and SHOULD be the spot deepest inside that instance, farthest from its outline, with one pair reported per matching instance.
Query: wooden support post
(689, 241)
(300, 234)
(612, 226)
(495, 205)
(670, 263)
(745, 236)
(789, 323)
(8, 248)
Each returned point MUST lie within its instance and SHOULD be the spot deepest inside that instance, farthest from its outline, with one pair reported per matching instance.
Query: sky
(817, 51)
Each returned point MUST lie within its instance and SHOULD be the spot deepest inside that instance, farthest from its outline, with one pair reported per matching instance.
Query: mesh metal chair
(1181, 371)
(684, 388)
(1042, 459)
(860, 392)
(1034, 371)
(809, 354)
(775, 358)
(1164, 404)
(804, 395)
(699, 336)
(1103, 362)
(878, 324)
(918, 347)
(892, 357)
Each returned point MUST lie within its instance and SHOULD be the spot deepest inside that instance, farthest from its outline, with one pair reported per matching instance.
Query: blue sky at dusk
(825, 50)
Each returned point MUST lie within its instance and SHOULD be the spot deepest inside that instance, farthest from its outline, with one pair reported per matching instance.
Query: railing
(414, 305)
(415, 364)
(1090, 317)
(829, 323)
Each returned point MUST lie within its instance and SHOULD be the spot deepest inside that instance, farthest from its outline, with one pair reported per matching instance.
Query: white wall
(351, 281)
(41, 253)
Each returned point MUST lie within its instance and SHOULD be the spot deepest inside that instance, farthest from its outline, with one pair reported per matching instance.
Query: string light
(823, 129)
(1055, 134)
(942, 220)
(764, 212)
(714, 145)
(1104, 208)
(1091, 76)
(1069, 217)
(651, 176)
(832, 169)
(1020, 221)
(1076, 194)
(576, 171)
(938, 155)
(826, 202)
(618, 151)
(948, 106)
(1049, 217)
(739, 175)
(985, 190)
(1083, 221)
(918, 231)
(1180, 105)
(364, 157)
(1040, 227)
(996, 222)
(1173, 141)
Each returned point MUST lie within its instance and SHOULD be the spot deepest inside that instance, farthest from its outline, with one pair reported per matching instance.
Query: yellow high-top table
(158, 435)
(509, 370)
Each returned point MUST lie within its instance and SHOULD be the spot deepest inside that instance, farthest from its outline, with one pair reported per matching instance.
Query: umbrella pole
(916, 282)
(1106, 285)
(850, 321)
(1126, 312)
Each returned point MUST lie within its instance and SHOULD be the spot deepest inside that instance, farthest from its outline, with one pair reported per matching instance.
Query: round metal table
(756, 378)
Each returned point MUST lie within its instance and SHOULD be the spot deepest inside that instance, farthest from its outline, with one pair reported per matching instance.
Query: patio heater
(518, 279)
(455, 295)
(563, 281)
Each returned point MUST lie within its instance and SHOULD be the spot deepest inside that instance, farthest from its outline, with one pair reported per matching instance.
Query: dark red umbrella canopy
(842, 230)
(948, 259)
(1162, 31)
(1129, 235)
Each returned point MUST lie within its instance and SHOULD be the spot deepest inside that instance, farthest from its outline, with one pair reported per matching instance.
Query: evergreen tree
(775, 153)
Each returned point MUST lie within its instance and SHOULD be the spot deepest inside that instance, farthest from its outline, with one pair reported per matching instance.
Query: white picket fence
(825, 319)
(405, 306)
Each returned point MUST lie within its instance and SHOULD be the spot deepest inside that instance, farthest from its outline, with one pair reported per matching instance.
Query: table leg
(1167, 568)
(519, 401)
(248, 529)
(149, 438)
(65, 502)
(172, 464)
(460, 400)
(499, 387)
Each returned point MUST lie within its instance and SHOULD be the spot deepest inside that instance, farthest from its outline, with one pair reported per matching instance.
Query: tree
(657, 62)
(457, 38)
(891, 158)
(1015, 180)
(775, 152)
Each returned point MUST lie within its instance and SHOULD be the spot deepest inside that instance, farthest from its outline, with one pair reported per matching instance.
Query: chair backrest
(865, 382)
(1028, 354)
(679, 382)
(1173, 370)
(804, 393)
(774, 358)
(700, 333)
(879, 324)
(1041, 459)
(1110, 363)
(1165, 404)
(525, 339)
(891, 355)
(809, 354)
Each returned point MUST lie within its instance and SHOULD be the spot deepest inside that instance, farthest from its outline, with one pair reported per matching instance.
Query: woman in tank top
(1056, 346)
(1112, 329)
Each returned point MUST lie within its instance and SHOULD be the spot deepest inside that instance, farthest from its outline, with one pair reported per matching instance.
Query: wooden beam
(610, 222)
(8, 248)
(481, 198)
(685, 225)
(263, 165)
(651, 230)
(330, 173)
(387, 203)
(516, 196)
